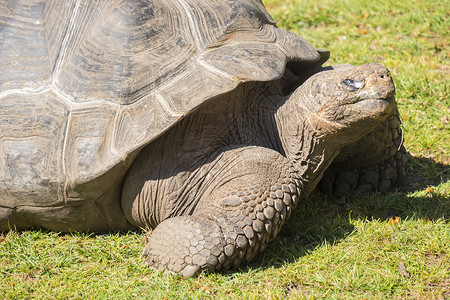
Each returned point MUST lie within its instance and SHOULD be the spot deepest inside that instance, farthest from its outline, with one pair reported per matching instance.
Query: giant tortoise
(199, 119)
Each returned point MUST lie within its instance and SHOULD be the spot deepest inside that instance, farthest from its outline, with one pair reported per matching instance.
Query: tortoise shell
(86, 84)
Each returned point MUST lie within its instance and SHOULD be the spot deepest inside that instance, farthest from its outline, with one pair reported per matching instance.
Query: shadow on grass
(422, 172)
(327, 219)
(324, 218)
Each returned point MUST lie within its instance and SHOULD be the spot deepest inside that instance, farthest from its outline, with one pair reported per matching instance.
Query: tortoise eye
(354, 84)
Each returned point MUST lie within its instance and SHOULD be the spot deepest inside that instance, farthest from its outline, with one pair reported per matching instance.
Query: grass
(350, 247)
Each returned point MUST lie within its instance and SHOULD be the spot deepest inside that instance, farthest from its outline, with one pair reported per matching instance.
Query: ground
(375, 246)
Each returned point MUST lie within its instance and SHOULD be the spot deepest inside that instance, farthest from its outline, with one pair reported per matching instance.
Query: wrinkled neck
(309, 151)
(313, 157)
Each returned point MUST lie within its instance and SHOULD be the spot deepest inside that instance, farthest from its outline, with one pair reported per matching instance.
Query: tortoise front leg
(185, 245)
(233, 223)
(374, 163)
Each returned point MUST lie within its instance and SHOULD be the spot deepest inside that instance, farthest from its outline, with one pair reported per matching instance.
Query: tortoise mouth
(374, 106)
(390, 98)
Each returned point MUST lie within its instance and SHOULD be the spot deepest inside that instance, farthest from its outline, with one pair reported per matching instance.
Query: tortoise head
(348, 100)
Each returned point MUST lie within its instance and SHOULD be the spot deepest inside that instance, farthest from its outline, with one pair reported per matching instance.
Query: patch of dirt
(445, 286)
(434, 259)
(27, 277)
(443, 69)
(296, 288)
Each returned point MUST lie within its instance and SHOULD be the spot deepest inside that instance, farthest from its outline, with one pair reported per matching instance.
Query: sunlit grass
(341, 248)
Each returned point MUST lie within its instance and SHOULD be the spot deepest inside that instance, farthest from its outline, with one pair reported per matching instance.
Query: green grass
(409, 37)
(339, 248)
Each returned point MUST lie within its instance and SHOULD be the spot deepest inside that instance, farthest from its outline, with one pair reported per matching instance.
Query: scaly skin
(233, 222)
(373, 163)
(218, 186)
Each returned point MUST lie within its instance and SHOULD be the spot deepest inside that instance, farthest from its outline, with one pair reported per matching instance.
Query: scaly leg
(374, 163)
(234, 220)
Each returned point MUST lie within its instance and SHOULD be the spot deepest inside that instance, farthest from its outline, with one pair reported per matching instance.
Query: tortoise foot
(381, 178)
(185, 246)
